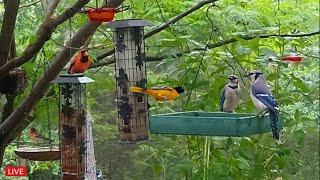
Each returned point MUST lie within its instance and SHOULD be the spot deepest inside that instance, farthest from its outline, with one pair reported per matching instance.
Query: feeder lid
(128, 23)
(72, 79)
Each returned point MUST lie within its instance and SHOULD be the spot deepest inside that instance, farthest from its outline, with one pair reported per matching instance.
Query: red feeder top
(104, 14)
(104, 9)
(292, 57)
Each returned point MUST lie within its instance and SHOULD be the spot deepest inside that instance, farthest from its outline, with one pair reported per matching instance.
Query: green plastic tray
(211, 124)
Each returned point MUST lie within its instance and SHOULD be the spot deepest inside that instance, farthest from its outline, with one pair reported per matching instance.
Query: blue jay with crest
(230, 95)
(263, 99)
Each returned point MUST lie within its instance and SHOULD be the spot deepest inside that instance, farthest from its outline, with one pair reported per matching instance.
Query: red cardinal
(80, 62)
(33, 134)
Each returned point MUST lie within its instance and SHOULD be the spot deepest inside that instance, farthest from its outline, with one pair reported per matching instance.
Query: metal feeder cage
(73, 125)
(130, 70)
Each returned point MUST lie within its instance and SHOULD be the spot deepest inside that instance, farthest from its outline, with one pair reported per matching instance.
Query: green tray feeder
(211, 124)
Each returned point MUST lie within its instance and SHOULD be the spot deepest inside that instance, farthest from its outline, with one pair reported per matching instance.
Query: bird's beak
(86, 53)
(247, 75)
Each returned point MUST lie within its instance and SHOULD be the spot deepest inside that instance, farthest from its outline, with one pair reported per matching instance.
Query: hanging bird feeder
(211, 124)
(130, 71)
(73, 125)
(38, 153)
(105, 14)
(293, 58)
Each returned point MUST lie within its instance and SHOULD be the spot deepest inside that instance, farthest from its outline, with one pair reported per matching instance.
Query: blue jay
(263, 99)
(230, 95)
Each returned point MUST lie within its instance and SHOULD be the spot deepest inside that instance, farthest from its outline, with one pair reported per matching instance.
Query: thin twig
(29, 4)
(210, 46)
(164, 25)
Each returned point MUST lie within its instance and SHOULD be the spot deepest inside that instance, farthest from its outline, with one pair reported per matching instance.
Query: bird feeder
(130, 70)
(73, 125)
(40, 153)
(293, 58)
(105, 14)
(211, 124)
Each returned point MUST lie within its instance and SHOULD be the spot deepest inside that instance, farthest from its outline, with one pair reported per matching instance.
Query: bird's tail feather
(136, 89)
(274, 125)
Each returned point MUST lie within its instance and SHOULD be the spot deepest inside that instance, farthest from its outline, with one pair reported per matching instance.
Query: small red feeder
(293, 58)
(105, 14)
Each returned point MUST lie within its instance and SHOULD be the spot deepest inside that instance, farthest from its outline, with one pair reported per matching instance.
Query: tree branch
(50, 10)
(29, 4)
(210, 46)
(44, 33)
(7, 29)
(164, 25)
(16, 122)
(111, 60)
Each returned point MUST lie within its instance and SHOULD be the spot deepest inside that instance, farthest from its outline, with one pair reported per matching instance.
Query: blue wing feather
(267, 99)
(222, 98)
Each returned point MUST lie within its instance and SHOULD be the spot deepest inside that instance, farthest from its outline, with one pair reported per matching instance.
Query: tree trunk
(2, 149)
(7, 29)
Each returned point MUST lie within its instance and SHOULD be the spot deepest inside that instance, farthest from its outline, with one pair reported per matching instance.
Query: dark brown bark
(8, 107)
(13, 49)
(2, 149)
(7, 29)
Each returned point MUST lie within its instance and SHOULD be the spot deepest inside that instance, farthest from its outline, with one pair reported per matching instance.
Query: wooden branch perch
(164, 25)
(210, 46)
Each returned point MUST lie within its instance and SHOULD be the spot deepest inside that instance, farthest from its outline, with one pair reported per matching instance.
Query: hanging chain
(48, 109)
(202, 56)
(70, 36)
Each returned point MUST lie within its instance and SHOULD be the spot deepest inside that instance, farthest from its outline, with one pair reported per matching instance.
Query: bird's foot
(262, 113)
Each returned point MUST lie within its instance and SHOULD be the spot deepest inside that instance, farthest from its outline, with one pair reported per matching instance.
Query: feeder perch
(73, 125)
(105, 14)
(130, 71)
(39, 153)
(211, 124)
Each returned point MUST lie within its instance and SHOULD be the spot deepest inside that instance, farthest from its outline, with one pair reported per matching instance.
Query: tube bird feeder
(130, 70)
(73, 127)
